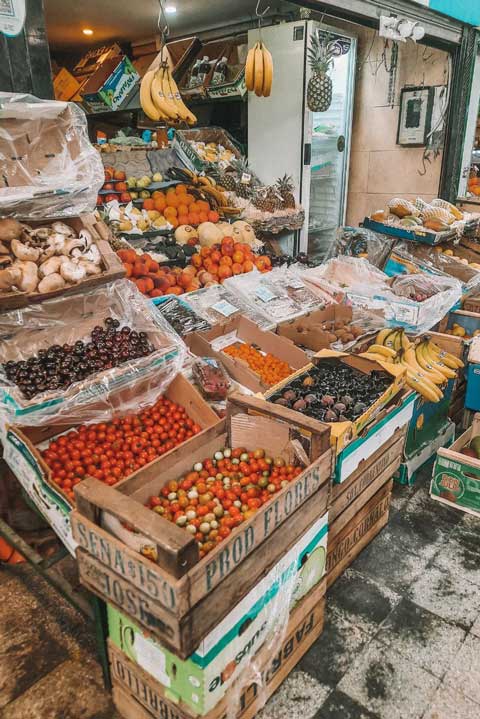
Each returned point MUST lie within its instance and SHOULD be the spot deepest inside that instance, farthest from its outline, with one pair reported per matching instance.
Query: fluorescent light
(170, 9)
(87, 31)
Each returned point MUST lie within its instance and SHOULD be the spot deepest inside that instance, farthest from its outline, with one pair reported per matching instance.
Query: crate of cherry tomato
(50, 461)
(176, 548)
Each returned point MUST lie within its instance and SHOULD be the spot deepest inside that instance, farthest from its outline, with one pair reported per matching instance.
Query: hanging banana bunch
(259, 70)
(160, 98)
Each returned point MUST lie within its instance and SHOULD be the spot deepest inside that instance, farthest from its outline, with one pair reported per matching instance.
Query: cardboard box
(212, 342)
(203, 679)
(111, 85)
(138, 696)
(179, 54)
(65, 85)
(307, 331)
(342, 433)
(234, 85)
(214, 50)
(23, 447)
(92, 60)
(184, 149)
(407, 472)
(456, 477)
(470, 321)
(179, 598)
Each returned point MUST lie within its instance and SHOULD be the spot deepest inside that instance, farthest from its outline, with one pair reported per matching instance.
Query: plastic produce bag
(217, 304)
(97, 397)
(180, 316)
(280, 294)
(359, 242)
(340, 275)
(49, 167)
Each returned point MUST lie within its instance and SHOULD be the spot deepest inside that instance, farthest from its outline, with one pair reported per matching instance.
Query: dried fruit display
(332, 392)
(221, 492)
(269, 368)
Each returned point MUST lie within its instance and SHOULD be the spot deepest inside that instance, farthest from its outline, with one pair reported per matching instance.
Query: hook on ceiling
(257, 10)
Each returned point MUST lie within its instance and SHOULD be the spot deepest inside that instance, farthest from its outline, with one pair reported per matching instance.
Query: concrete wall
(379, 168)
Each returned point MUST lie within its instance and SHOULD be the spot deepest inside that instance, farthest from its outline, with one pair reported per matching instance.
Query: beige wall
(379, 168)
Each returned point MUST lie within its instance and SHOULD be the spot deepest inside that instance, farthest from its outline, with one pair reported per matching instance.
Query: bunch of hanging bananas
(259, 70)
(428, 366)
(160, 98)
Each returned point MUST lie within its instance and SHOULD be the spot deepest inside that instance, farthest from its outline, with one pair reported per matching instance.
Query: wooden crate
(362, 522)
(179, 598)
(137, 695)
(112, 267)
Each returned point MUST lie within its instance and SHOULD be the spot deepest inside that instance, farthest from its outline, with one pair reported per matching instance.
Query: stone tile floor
(401, 638)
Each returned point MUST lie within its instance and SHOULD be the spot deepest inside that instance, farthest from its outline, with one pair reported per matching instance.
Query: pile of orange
(269, 368)
(229, 258)
(179, 207)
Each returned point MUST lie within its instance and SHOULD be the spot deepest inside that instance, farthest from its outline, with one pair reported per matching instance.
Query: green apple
(132, 182)
(134, 195)
(158, 177)
(144, 194)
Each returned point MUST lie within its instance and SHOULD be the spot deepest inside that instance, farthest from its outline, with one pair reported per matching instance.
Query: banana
(159, 98)
(390, 339)
(405, 341)
(431, 371)
(250, 69)
(439, 366)
(387, 352)
(397, 342)
(382, 336)
(258, 71)
(409, 359)
(267, 72)
(376, 357)
(183, 110)
(444, 356)
(423, 387)
(148, 107)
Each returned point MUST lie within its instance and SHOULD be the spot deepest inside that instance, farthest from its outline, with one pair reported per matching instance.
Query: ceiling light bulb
(87, 31)
(170, 9)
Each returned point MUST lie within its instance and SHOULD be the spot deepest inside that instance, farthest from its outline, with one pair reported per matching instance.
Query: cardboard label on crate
(264, 294)
(457, 484)
(339, 550)
(225, 308)
(51, 504)
(150, 694)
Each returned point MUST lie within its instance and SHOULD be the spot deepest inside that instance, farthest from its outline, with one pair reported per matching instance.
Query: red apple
(121, 187)
(125, 197)
(109, 173)
(108, 186)
(119, 175)
(99, 200)
(110, 198)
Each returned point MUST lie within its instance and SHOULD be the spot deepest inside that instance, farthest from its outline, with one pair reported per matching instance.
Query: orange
(237, 268)
(181, 189)
(157, 194)
(183, 209)
(194, 218)
(173, 221)
(226, 260)
(238, 256)
(187, 199)
(213, 216)
(172, 199)
(203, 216)
(149, 204)
(196, 260)
(170, 211)
(160, 203)
(205, 252)
(183, 219)
(248, 266)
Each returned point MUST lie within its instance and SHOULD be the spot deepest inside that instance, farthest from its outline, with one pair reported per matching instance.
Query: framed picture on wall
(415, 116)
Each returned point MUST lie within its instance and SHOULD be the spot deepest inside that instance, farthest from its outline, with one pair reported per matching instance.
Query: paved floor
(401, 639)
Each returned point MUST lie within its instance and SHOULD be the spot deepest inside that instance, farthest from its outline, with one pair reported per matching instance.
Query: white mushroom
(90, 267)
(9, 278)
(9, 229)
(57, 241)
(51, 283)
(29, 280)
(71, 245)
(50, 266)
(24, 252)
(43, 233)
(87, 238)
(92, 255)
(63, 229)
(72, 272)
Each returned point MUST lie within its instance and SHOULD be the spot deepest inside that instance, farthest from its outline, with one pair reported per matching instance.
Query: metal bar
(50, 561)
(438, 27)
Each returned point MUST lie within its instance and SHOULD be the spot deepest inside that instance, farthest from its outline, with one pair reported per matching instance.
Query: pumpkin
(184, 233)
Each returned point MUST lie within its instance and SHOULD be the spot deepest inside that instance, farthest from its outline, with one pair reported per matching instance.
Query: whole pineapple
(285, 190)
(320, 87)
(267, 199)
(227, 180)
(244, 188)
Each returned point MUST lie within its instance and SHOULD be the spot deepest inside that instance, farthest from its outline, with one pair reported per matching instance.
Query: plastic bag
(180, 316)
(217, 304)
(359, 242)
(49, 167)
(280, 294)
(128, 387)
(340, 275)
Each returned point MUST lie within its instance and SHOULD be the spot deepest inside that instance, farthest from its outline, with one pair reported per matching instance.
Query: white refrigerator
(285, 137)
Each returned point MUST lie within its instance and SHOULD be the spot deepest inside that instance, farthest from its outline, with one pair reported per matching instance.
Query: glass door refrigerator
(285, 137)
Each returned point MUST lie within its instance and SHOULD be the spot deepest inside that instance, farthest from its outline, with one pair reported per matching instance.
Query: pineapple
(243, 189)
(227, 180)
(267, 199)
(285, 190)
(320, 57)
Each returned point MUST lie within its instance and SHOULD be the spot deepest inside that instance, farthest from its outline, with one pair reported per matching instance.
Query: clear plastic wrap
(97, 397)
(49, 166)
(280, 294)
(217, 304)
(359, 242)
(210, 376)
(180, 316)
(340, 275)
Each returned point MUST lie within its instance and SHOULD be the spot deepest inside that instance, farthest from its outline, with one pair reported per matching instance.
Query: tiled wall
(379, 168)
